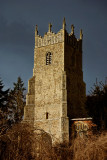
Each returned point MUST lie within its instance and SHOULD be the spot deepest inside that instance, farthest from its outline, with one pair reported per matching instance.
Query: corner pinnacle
(50, 26)
(36, 30)
(81, 35)
(72, 29)
(64, 23)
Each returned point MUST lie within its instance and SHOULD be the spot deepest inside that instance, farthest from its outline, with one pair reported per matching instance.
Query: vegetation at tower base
(21, 142)
(96, 105)
(16, 101)
(24, 142)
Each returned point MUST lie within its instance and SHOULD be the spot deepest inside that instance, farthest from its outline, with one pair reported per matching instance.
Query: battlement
(51, 38)
(71, 40)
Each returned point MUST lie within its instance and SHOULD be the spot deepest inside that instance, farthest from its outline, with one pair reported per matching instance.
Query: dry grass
(23, 142)
(93, 148)
(17, 143)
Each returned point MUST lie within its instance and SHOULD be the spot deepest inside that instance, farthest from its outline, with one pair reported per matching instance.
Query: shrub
(24, 142)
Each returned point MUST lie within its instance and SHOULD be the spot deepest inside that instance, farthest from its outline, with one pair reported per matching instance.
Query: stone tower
(56, 89)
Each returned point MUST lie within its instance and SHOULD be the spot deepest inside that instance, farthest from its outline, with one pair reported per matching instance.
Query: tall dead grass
(23, 142)
(92, 148)
(17, 143)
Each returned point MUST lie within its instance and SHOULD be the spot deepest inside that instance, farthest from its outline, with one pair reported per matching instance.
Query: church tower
(56, 92)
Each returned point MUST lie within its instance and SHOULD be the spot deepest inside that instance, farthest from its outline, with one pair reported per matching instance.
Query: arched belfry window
(48, 58)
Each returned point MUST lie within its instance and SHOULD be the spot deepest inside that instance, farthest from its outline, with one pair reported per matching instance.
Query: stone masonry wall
(75, 84)
(48, 90)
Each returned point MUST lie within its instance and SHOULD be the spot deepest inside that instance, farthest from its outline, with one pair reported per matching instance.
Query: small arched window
(48, 58)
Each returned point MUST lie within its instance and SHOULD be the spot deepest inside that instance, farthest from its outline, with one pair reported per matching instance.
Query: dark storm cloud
(15, 33)
(17, 22)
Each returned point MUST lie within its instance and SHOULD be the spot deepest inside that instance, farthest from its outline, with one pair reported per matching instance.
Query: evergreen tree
(97, 105)
(3, 108)
(17, 101)
(3, 97)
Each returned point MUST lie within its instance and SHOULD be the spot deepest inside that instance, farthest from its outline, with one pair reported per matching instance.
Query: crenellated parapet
(71, 40)
(51, 38)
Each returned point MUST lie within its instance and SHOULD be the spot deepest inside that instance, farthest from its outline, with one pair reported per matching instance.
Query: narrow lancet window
(47, 114)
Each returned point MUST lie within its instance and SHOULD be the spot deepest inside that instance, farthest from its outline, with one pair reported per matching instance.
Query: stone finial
(36, 30)
(50, 26)
(64, 23)
(72, 29)
(81, 35)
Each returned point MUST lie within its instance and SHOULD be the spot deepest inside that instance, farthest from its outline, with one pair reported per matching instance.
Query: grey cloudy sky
(17, 23)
